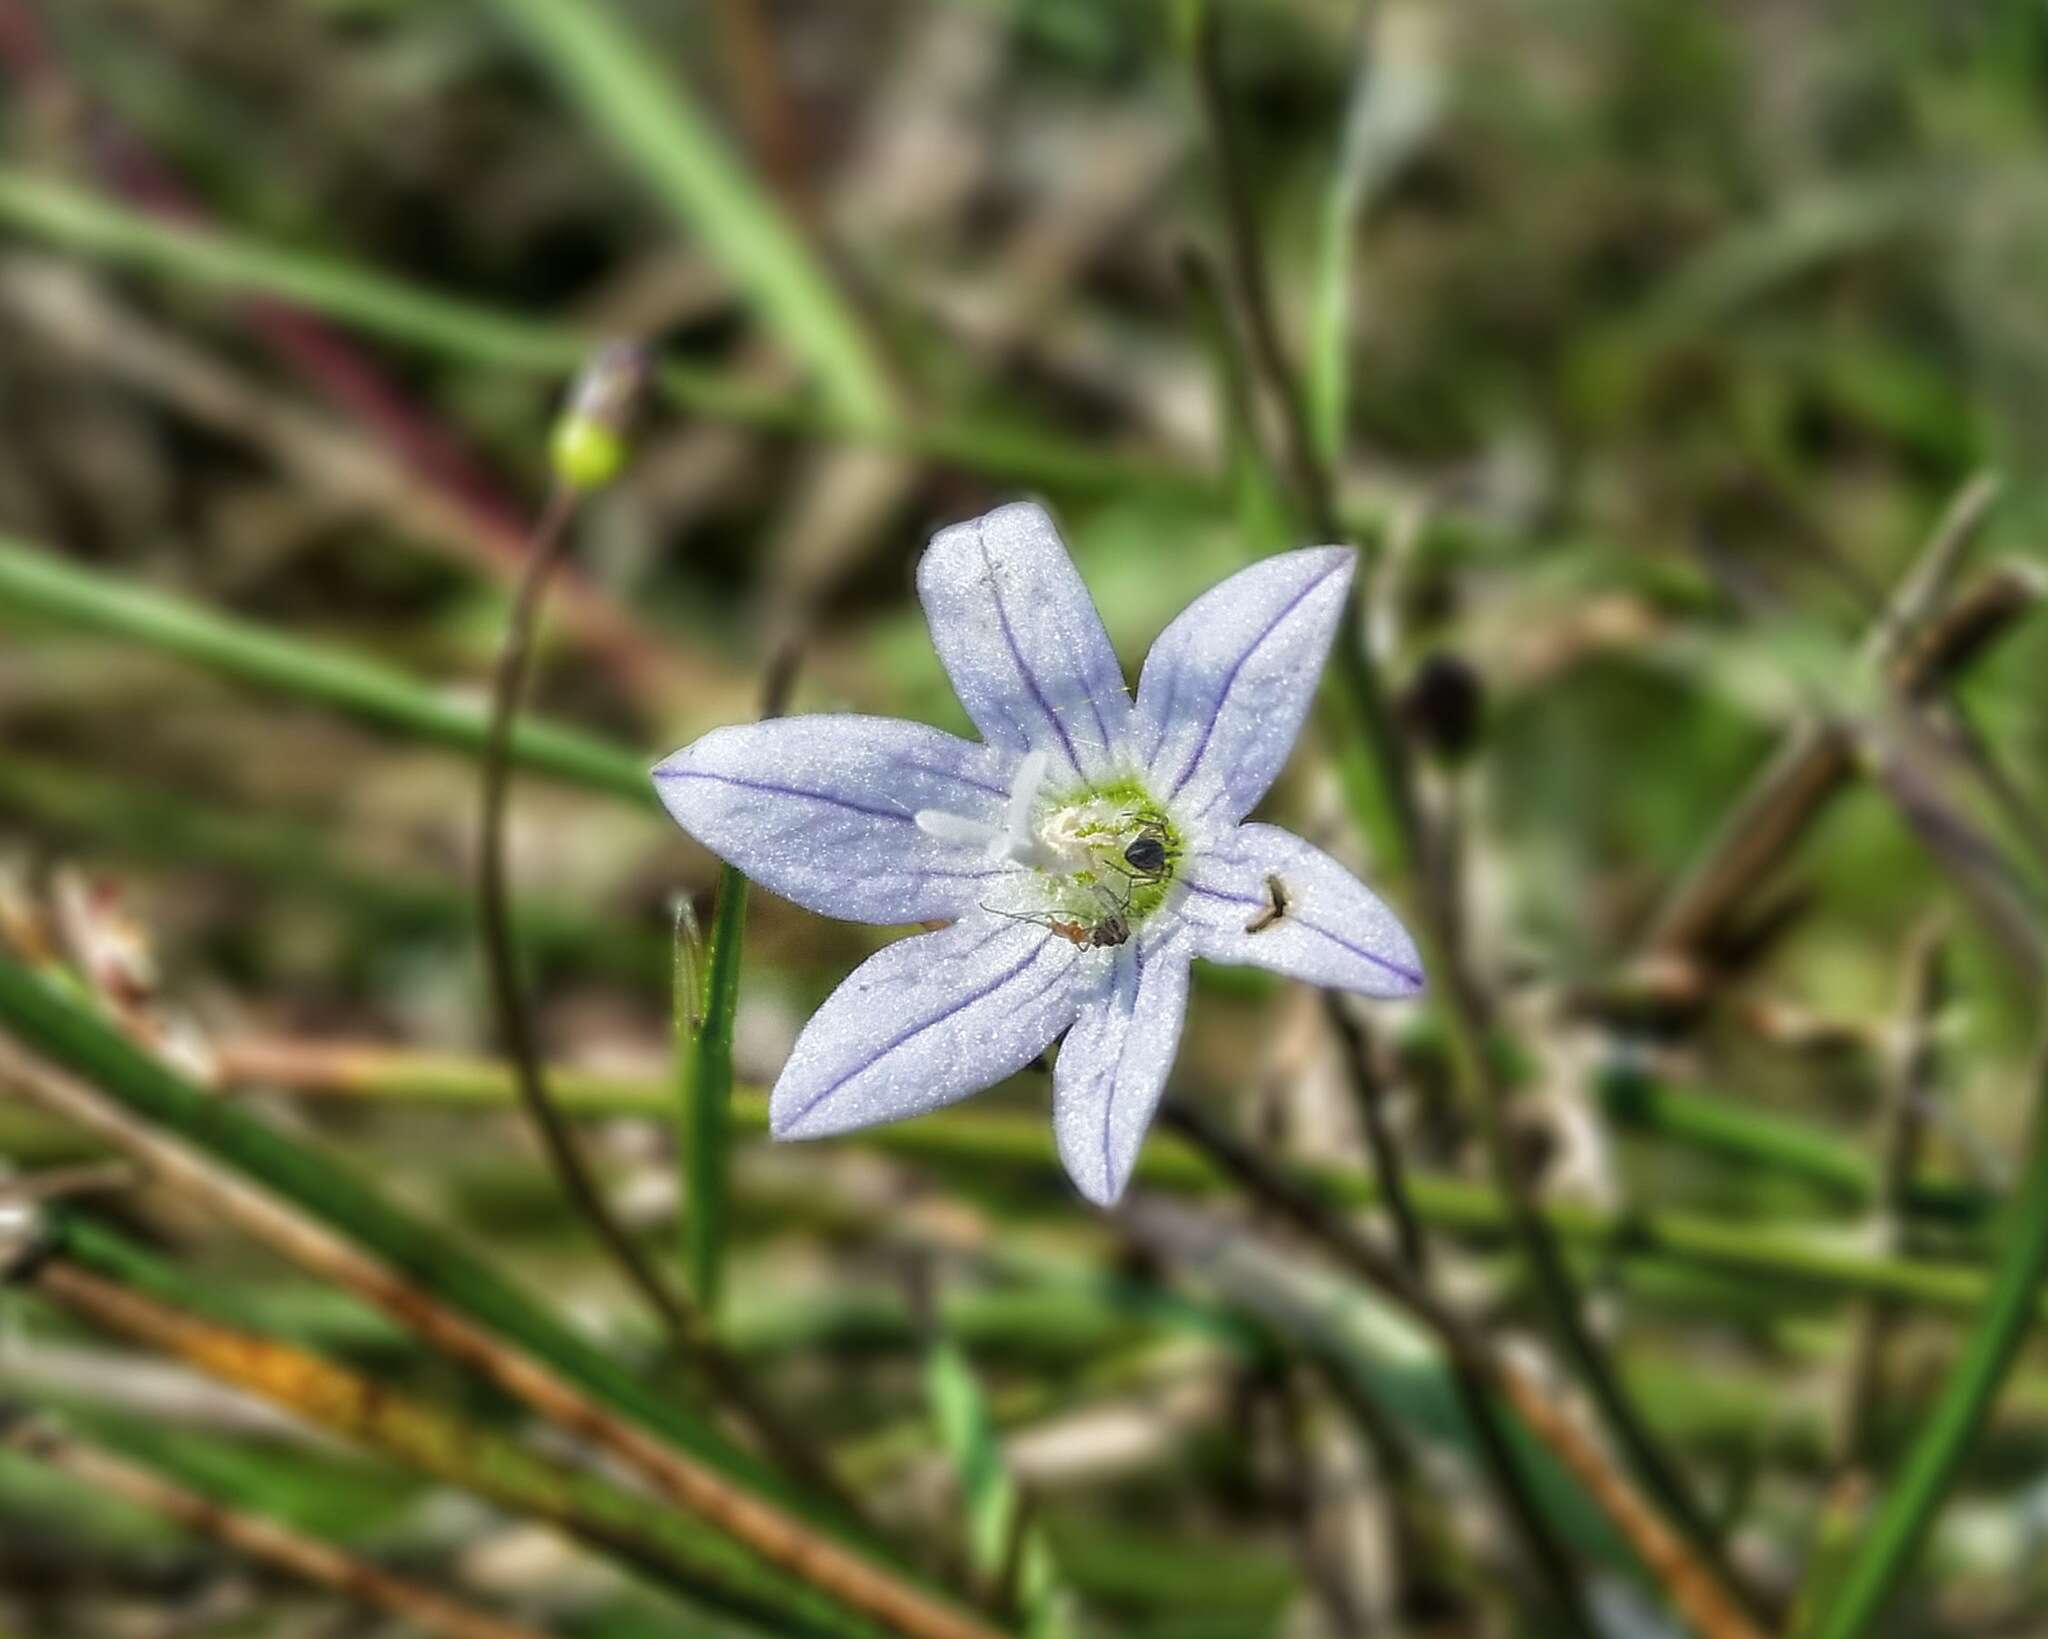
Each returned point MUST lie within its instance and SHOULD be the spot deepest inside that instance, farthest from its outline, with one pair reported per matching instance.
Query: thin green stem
(707, 1110)
(1890, 1546)
(685, 1326)
(707, 1115)
(1713, 1125)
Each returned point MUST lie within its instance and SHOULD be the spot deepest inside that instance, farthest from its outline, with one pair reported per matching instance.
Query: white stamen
(936, 822)
(1024, 793)
(1019, 842)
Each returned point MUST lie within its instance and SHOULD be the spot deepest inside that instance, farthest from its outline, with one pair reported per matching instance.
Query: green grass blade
(106, 230)
(1890, 1546)
(967, 1431)
(1714, 1125)
(648, 115)
(41, 584)
(707, 1100)
(1326, 382)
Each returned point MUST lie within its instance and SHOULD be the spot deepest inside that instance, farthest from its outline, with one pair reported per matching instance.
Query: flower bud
(589, 442)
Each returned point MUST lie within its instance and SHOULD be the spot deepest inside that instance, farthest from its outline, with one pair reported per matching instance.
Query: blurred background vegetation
(1683, 371)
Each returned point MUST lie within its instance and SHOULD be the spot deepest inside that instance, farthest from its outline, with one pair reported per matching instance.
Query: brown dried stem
(313, 1561)
(1817, 762)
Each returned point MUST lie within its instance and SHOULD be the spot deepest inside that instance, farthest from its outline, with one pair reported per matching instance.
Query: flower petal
(1113, 1065)
(1225, 688)
(1332, 930)
(1022, 642)
(926, 1021)
(822, 810)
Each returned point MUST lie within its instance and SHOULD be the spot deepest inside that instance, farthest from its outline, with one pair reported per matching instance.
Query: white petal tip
(787, 1124)
(1103, 1192)
(1391, 981)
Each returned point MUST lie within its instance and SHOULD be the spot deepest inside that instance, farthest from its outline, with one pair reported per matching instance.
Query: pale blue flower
(1084, 852)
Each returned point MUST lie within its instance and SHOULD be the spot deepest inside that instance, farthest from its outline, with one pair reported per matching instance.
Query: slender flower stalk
(1081, 855)
(588, 450)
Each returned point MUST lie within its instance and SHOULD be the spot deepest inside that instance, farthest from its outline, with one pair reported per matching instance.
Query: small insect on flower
(1274, 908)
(1071, 864)
(1148, 855)
(1104, 932)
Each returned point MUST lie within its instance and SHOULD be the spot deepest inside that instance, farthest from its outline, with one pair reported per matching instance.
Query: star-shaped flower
(1083, 853)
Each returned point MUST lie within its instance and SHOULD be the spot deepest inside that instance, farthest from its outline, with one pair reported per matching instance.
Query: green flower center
(1111, 849)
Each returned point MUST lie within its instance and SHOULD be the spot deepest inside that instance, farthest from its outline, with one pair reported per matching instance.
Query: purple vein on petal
(912, 1032)
(775, 790)
(995, 593)
(1296, 917)
(1173, 678)
(1116, 1072)
(1237, 666)
(905, 765)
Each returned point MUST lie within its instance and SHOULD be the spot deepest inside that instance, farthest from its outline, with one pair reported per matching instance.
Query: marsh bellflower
(1082, 854)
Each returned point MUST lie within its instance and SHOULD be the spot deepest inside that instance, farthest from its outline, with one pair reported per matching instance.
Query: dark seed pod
(1444, 706)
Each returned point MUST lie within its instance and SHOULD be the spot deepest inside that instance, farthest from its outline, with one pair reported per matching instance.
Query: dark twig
(1463, 1345)
(1369, 1095)
(1694, 1588)
(1906, 770)
(1313, 482)
(1559, 1294)
(1951, 720)
(1301, 1495)
(1908, 1093)
(1480, 1408)
(1430, 868)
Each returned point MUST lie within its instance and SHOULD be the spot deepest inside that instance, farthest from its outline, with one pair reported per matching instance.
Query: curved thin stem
(515, 1024)
(508, 996)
